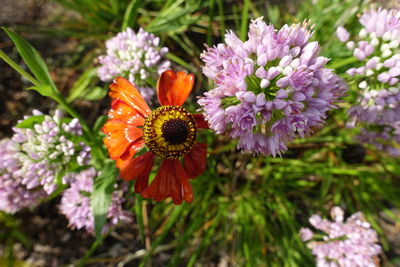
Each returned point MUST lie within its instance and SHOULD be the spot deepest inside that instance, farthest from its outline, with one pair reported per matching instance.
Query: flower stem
(92, 249)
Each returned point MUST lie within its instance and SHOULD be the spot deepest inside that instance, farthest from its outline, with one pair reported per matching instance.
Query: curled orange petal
(173, 88)
(195, 161)
(124, 90)
(130, 153)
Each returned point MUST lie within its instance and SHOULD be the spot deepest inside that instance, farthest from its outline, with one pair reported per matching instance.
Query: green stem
(9, 254)
(60, 99)
(245, 18)
(340, 63)
(210, 21)
(174, 216)
(92, 249)
(180, 61)
(139, 216)
(221, 17)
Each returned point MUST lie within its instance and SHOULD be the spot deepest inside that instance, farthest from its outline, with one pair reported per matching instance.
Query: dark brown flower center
(175, 131)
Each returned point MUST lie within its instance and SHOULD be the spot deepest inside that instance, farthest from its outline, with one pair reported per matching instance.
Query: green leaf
(176, 16)
(95, 94)
(103, 189)
(171, 221)
(80, 87)
(43, 89)
(221, 18)
(29, 122)
(99, 123)
(139, 216)
(130, 14)
(31, 58)
(273, 14)
(245, 20)
(180, 61)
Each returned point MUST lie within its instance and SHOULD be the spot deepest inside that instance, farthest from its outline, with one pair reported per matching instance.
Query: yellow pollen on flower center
(170, 132)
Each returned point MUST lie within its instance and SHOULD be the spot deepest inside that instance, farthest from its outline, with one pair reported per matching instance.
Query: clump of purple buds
(339, 243)
(75, 204)
(383, 137)
(136, 57)
(376, 107)
(377, 73)
(46, 149)
(270, 88)
(14, 195)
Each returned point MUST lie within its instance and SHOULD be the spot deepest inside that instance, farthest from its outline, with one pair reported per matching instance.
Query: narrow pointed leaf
(31, 58)
(103, 189)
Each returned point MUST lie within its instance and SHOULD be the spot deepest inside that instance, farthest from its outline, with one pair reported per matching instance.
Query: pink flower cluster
(136, 57)
(32, 159)
(382, 137)
(75, 204)
(350, 243)
(14, 195)
(377, 49)
(270, 88)
(46, 148)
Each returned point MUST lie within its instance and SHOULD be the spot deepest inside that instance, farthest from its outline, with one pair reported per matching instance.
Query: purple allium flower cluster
(377, 74)
(13, 194)
(46, 149)
(270, 88)
(75, 203)
(136, 57)
(349, 243)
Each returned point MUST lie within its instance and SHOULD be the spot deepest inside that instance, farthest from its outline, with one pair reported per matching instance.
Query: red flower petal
(122, 111)
(173, 88)
(119, 137)
(171, 181)
(195, 160)
(201, 123)
(138, 168)
(186, 187)
(122, 89)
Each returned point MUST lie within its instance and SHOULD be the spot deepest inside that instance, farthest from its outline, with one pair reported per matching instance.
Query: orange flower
(169, 132)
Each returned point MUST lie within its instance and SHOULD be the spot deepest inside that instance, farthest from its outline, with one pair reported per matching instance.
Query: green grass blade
(221, 18)
(245, 18)
(130, 14)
